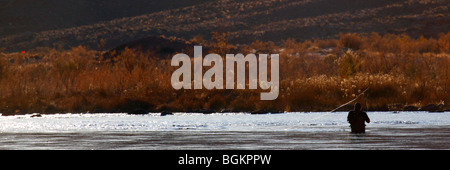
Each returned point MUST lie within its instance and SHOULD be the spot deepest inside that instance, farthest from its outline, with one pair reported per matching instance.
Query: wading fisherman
(356, 118)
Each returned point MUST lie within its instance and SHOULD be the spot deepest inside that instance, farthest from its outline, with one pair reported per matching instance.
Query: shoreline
(207, 113)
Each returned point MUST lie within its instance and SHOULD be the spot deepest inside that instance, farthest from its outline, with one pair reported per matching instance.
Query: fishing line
(344, 104)
(350, 101)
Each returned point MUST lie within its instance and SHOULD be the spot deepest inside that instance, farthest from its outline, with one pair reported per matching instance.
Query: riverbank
(401, 73)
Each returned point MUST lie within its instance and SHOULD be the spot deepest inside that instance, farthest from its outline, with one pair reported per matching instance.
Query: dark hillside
(86, 22)
(19, 16)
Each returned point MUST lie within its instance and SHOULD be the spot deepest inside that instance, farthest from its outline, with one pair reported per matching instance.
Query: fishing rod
(343, 104)
(350, 101)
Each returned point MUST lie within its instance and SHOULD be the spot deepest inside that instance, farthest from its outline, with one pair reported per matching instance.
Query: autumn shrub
(216, 102)
(444, 43)
(349, 64)
(241, 104)
(3, 66)
(350, 40)
(315, 75)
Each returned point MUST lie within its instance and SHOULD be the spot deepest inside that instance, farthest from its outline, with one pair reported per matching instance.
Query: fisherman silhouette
(356, 118)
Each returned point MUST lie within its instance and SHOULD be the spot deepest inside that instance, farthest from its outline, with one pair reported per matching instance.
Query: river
(285, 131)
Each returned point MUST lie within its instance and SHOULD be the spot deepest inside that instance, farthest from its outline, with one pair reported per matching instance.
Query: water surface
(317, 130)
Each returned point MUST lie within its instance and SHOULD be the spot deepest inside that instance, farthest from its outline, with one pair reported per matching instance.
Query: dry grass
(314, 76)
(398, 69)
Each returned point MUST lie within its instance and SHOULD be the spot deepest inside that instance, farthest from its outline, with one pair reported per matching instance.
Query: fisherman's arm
(367, 118)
